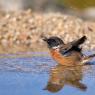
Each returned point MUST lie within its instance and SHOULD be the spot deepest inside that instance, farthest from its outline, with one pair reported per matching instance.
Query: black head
(53, 41)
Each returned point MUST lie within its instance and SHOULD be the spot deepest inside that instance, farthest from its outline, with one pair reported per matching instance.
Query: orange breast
(73, 59)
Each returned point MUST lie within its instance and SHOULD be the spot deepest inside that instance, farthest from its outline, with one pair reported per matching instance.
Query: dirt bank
(22, 31)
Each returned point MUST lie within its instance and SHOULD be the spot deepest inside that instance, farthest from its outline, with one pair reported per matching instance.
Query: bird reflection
(65, 75)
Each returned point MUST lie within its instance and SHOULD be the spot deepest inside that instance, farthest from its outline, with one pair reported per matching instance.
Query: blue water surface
(29, 76)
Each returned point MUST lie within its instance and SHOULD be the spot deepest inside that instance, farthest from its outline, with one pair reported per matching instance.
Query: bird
(67, 53)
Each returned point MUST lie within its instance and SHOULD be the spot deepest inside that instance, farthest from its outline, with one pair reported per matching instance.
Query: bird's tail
(87, 58)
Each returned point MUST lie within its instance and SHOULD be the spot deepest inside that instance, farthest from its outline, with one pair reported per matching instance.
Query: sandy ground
(22, 31)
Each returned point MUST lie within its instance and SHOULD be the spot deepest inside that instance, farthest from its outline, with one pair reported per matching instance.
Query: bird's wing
(74, 45)
(79, 41)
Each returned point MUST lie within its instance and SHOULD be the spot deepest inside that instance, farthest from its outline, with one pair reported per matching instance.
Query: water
(30, 74)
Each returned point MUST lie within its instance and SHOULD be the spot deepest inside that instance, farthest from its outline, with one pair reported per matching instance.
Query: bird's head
(53, 42)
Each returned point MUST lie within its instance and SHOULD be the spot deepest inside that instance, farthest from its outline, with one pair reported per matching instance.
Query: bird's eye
(65, 49)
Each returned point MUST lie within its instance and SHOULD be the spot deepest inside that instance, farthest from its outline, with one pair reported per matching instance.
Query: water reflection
(37, 69)
(67, 75)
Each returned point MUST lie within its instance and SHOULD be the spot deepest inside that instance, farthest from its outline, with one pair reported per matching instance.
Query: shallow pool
(30, 74)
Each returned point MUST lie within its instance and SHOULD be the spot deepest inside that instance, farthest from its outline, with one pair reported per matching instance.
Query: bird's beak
(44, 38)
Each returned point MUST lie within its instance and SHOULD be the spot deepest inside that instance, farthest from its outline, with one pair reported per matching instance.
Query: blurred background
(24, 22)
(83, 8)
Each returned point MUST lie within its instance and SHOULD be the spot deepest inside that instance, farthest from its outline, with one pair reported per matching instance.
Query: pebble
(25, 29)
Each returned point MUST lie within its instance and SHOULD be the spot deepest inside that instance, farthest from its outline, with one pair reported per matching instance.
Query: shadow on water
(50, 76)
